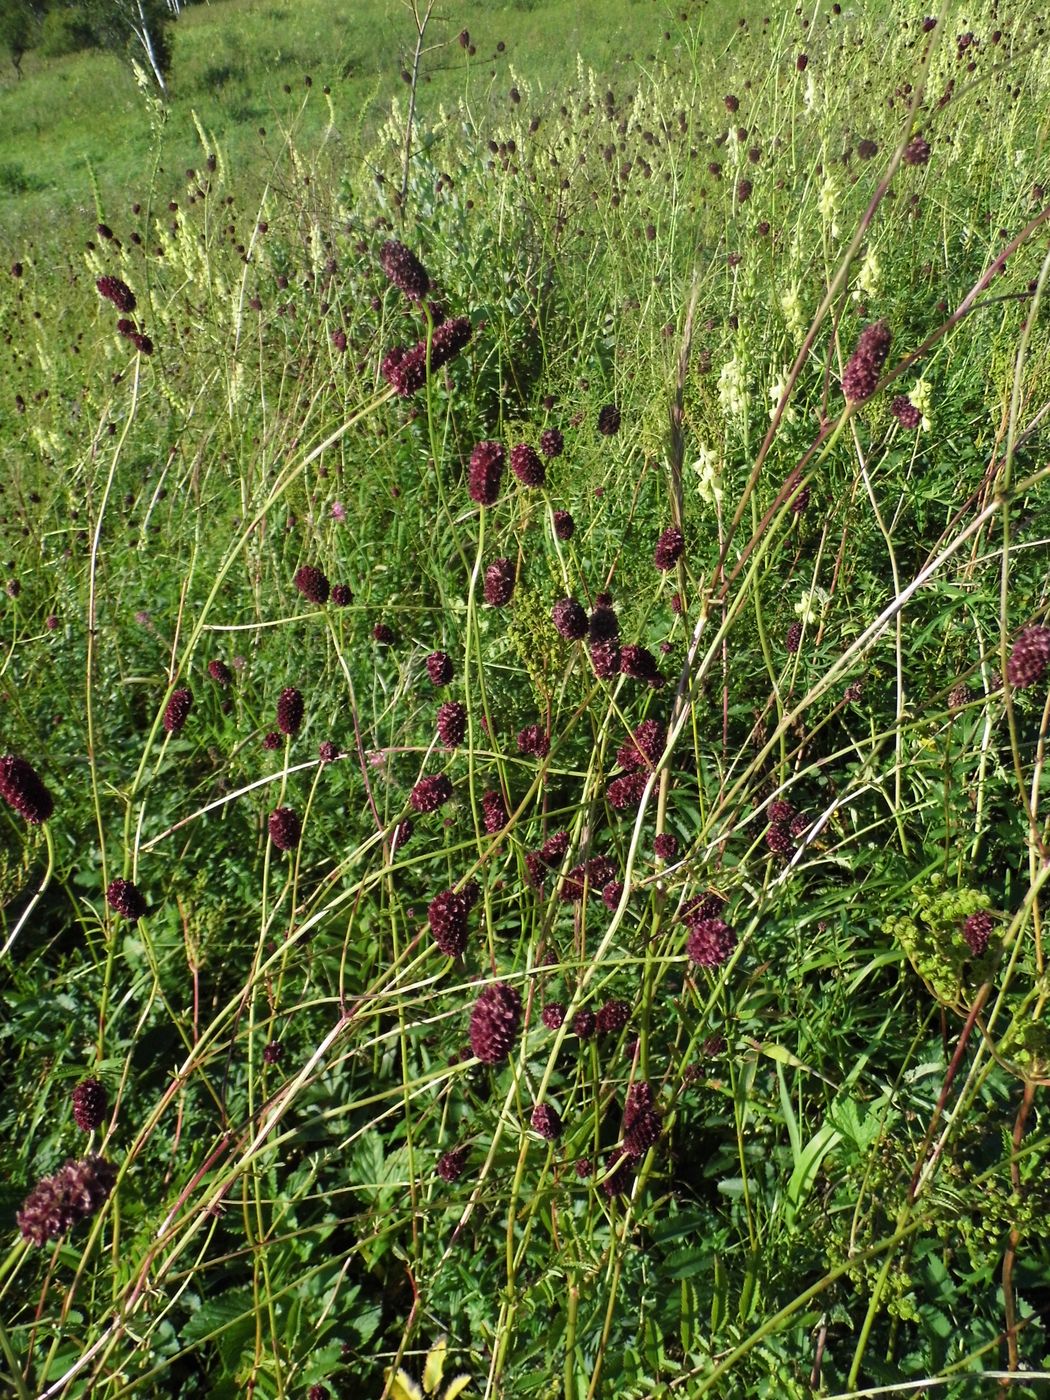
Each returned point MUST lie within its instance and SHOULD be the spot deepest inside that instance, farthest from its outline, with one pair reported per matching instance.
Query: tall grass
(735, 1087)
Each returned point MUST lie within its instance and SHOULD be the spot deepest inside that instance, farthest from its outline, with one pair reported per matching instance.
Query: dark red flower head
(564, 525)
(220, 673)
(90, 1105)
(452, 1164)
(285, 828)
(486, 472)
(452, 723)
(861, 375)
(289, 710)
(57, 1203)
(430, 793)
(499, 583)
(1027, 662)
(342, 595)
(546, 1121)
(494, 812)
(669, 549)
(494, 1022)
(570, 619)
(609, 420)
(22, 788)
(526, 465)
(552, 444)
(447, 917)
(977, 930)
(177, 710)
(553, 1014)
(404, 269)
(118, 292)
(644, 747)
(312, 584)
(439, 668)
(905, 412)
(534, 740)
(710, 942)
(126, 898)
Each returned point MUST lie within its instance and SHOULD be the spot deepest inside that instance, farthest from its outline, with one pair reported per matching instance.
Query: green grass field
(523, 708)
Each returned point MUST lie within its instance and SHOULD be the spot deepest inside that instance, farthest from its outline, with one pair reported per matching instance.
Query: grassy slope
(233, 59)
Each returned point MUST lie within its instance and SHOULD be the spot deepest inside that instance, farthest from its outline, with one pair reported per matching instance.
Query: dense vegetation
(524, 695)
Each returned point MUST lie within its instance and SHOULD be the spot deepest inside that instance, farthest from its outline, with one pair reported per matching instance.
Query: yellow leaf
(435, 1367)
(457, 1387)
(404, 1387)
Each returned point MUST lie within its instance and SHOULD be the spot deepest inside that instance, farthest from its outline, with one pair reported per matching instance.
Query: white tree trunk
(141, 28)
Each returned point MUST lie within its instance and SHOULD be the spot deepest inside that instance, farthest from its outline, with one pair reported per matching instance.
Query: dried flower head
(285, 828)
(177, 710)
(74, 1193)
(90, 1105)
(22, 788)
(494, 1022)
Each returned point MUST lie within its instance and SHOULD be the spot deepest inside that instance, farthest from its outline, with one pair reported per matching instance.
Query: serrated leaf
(435, 1366)
(457, 1387)
(403, 1387)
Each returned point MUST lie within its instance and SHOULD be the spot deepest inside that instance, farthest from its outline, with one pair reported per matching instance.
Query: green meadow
(524, 659)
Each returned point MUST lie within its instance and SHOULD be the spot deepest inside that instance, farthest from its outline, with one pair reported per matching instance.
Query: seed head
(177, 710)
(285, 829)
(126, 898)
(710, 942)
(494, 1022)
(494, 812)
(452, 723)
(526, 465)
(439, 668)
(404, 269)
(564, 525)
(447, 917)
(90, 1105)
(552, 444)
(430, 793)
(546, 1121)
(669, 549)
(977, 930)
(57, 1203)
(609, 420)
(1028, 658)
(486, 472)
(289, 710)
(312, 584)
(499, 583)
(862, 371)
(22, 788)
